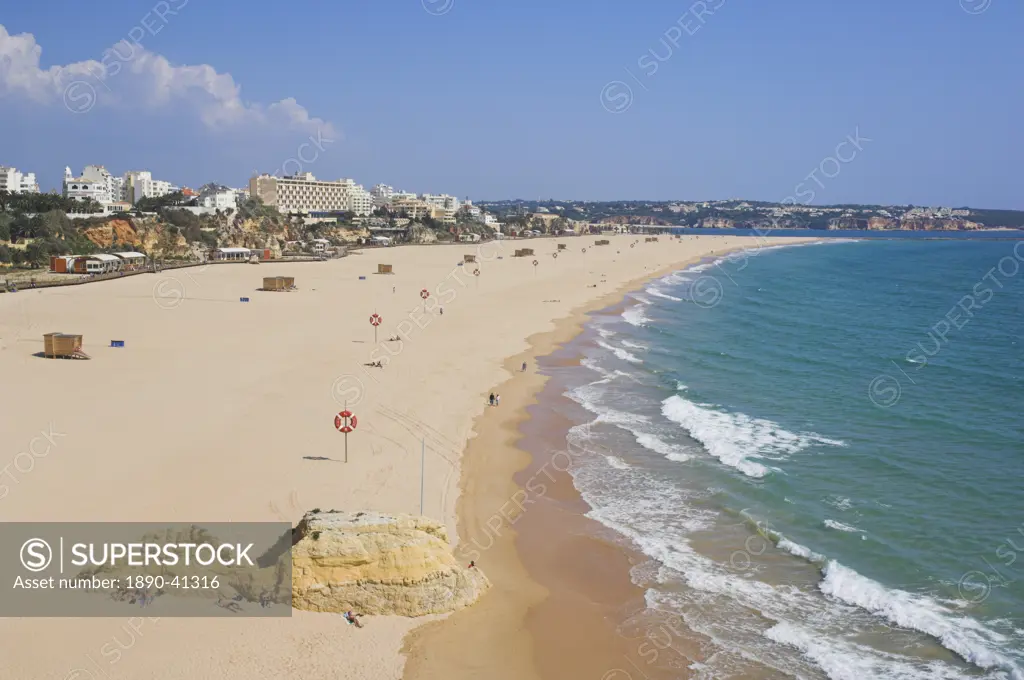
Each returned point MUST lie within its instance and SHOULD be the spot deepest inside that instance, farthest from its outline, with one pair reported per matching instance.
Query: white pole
(423, 466)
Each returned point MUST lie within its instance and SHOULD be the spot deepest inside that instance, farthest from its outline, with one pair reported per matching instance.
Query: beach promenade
(220, 410)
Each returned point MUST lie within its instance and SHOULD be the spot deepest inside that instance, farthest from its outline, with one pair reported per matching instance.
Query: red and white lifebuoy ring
(345, 421)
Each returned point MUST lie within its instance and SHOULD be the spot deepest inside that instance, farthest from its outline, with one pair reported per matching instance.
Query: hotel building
(17, 182)
(304, 193)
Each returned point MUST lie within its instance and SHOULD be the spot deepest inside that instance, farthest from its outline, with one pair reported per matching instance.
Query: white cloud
(128, 77)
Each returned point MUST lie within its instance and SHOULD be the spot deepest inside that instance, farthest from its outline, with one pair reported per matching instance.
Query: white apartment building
(113, 187)
(382, 193)
(360, 200)
(83, 188)
(241, 195)
(139, 184)
(304, 193)
(441, 201)
(17, 182)
(217, 197)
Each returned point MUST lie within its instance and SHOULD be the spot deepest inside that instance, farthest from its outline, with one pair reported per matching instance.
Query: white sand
(214, 408)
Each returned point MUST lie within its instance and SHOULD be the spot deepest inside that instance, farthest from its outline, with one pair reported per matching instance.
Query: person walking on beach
(524, 367)
(491, 400)
(497, 400)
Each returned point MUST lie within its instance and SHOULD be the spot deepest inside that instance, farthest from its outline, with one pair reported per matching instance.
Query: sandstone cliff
(377, 564)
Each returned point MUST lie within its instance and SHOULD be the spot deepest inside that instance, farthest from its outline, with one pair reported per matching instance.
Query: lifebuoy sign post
(476, 274)
(424, 294)
(345, 422)
(375, 320)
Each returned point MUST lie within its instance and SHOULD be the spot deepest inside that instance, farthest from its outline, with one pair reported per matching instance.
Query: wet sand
(563, 604)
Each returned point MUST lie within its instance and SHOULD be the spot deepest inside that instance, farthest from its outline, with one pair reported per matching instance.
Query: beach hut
(102, 263)
(48, 343)
(278, 283)
(63, 346)
(469, 258)
(62, 264)
(562, 246)
(384, 269)
(231, 254)
(131, 260)
(602, 242)
(524, 252)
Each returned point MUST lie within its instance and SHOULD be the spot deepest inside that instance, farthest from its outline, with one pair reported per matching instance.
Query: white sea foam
(589, 397)
(842, 660)
(800, 551)
(730, 608)
(674, 278)
(839, 526)
(658, 445)
(606, 375)
(839, 502)
(620, 353)
(634, 345)
(635, 315)
(960, 634)
(680, 387)
(617, 463)
(736, 439)
(656, 292)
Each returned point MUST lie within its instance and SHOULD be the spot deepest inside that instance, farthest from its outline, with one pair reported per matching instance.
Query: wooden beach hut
(562, 246)
(384, 269)
(278, 283)
(469, 258)
(63, 346)
(602, 242)
(524, 252)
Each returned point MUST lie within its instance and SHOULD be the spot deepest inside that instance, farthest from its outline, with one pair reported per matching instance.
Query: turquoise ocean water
(820, 449)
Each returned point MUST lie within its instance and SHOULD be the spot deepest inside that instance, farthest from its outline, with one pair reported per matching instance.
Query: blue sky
(496, 99)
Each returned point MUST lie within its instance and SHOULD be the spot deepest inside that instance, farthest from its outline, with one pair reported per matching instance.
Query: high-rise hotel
(304, 193)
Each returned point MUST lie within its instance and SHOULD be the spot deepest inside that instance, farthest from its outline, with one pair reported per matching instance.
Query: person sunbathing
(351, 618)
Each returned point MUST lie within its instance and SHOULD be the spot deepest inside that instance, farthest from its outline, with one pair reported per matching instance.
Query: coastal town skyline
(710, 100)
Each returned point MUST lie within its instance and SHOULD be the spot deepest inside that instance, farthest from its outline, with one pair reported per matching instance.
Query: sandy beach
(217, 410)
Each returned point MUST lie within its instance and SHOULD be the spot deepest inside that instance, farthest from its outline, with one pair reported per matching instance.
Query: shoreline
(252, 391)
(520, 613)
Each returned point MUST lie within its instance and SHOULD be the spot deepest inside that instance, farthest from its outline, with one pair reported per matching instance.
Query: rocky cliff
(177, 234)
(378, 564)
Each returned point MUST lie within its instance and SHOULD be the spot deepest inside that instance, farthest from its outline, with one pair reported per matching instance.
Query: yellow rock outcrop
(379, 564)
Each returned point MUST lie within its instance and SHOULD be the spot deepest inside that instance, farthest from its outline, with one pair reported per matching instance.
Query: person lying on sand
(374, 364)
(351, 618)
